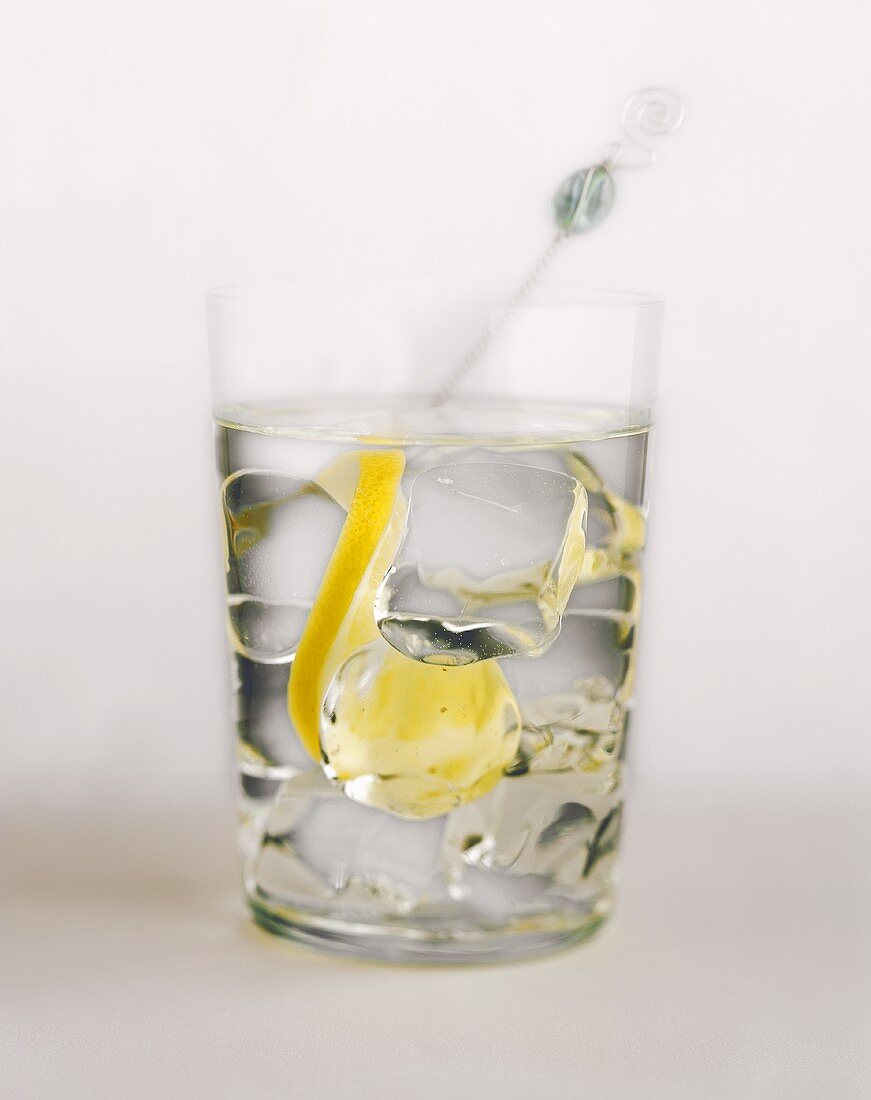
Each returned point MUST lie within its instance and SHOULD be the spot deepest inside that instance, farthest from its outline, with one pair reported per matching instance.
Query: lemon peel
(369, 513)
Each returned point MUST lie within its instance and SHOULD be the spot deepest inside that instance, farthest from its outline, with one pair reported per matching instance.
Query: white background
(150, 150)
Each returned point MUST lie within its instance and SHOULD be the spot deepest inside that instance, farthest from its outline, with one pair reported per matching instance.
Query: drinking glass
(433, 590)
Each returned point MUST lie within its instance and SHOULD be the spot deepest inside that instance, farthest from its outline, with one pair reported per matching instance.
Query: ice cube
(280, 535)
(266, 631)
(254, 799)
(490, 555)
(618, 463)
(582, 731)
(526, 825)
(320, 846)
(537, 829)
(414, 739)
(498, 896)
(588, 646)
(574, 699)
(615, 527)
(544, 458)
(268, 744)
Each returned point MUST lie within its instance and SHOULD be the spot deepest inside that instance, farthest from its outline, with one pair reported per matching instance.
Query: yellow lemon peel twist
(369, 512)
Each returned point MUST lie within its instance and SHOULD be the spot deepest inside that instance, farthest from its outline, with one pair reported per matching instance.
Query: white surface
(150, 150)
(737, 966)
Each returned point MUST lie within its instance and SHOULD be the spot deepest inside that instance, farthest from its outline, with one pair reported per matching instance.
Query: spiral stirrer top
(647, 114)
(584, 200)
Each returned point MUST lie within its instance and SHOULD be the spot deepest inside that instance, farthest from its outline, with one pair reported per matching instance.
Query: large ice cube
(490, 556)
(414, 739)
(548, 832)
(280, 535)
(320, 846)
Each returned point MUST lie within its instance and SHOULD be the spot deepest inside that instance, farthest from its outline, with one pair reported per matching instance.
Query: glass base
(402, 943)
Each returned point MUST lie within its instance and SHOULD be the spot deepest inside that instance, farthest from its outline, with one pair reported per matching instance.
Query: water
(464, 786)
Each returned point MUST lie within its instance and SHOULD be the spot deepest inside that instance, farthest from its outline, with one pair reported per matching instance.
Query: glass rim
(551, 296)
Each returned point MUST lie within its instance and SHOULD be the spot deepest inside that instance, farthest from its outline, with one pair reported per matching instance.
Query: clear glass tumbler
(433, 589)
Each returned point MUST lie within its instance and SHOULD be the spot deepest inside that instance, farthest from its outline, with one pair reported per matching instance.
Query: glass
(432, 606)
